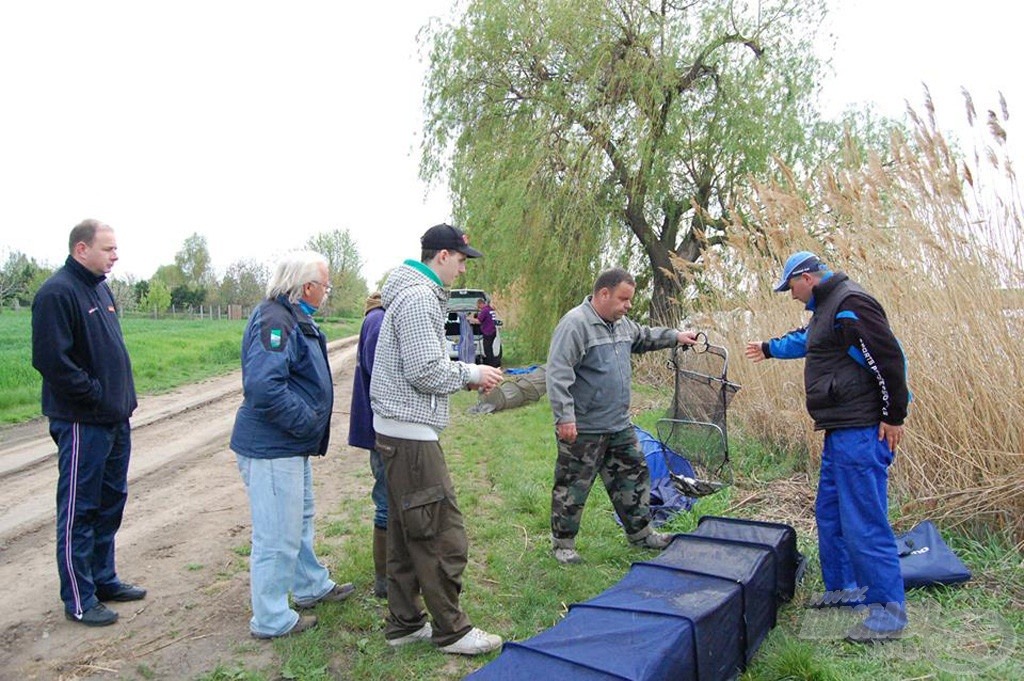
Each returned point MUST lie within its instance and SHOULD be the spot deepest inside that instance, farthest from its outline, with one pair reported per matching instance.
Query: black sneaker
(123, 593)
(98, 615)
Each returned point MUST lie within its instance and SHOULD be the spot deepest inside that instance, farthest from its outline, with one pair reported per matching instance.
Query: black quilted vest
(840, 392)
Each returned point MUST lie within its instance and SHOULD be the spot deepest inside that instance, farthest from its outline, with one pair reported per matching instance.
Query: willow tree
(581, 133)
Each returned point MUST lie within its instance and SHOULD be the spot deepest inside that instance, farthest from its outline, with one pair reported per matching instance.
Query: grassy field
(165, 353)
(502, 467)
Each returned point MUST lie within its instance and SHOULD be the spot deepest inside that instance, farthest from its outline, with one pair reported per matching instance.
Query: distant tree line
(190, 282)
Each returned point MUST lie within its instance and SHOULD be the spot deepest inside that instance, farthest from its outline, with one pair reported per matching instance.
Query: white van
(463, 301)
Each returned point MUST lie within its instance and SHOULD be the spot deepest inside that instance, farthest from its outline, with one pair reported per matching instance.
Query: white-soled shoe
(422, 634)
(475, 642)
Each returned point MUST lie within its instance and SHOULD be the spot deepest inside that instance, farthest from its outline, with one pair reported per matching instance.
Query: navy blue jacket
(78, 349)
(288, 392)
(360, 420)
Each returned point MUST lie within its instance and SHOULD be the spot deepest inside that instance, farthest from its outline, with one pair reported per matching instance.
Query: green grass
(165, 353)
(502, 466)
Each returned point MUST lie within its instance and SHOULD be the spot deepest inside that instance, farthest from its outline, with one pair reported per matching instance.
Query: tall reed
(936, 236)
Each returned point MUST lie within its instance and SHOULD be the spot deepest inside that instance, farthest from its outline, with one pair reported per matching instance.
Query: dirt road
(186, 522)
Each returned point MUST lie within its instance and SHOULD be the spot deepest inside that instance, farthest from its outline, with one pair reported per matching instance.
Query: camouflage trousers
(623, 468)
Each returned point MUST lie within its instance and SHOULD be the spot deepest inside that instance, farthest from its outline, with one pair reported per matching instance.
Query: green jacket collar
(424, 269)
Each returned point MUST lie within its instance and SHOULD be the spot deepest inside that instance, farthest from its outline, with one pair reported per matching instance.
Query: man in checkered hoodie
(409, 388)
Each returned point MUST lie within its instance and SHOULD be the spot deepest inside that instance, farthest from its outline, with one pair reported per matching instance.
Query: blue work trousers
(856, 544)
(92, 487)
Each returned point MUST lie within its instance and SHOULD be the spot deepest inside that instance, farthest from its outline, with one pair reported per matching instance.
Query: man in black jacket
(856, 383)
(88, 395)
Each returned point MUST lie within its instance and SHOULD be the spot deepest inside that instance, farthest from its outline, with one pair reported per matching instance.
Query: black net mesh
(702, 391)
(695, 426)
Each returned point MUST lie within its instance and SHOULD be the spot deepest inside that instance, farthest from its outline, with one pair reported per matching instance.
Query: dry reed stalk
(789, 500)
(939, 241)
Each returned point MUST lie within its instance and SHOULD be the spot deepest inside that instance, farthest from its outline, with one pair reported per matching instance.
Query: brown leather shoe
(305, 622)
(336, 595)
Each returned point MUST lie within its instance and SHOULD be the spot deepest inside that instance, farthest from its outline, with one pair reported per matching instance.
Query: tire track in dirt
(187, 515)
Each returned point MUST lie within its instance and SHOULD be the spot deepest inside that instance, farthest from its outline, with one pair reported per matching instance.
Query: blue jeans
(92, 487)
(282, 559)
(856, 544)
(379, 493)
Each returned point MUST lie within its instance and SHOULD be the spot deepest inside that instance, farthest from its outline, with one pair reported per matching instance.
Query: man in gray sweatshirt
(427, 549)
(589, 376)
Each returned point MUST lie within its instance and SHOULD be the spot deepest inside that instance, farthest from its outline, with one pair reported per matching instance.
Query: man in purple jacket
(489, 331)
(362, 435)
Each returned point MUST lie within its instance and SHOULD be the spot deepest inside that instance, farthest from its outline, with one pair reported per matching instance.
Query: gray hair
(84, 232)
(294, 270)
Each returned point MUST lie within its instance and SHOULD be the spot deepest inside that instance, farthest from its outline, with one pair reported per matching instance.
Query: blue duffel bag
(926, 560)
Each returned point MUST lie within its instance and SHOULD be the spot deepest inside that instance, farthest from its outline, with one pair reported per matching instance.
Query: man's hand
(489, 377)
(686, 338)
(566, 432)
(891, 434)
(754, 352)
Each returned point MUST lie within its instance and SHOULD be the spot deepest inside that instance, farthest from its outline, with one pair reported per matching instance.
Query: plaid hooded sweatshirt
(412, 373)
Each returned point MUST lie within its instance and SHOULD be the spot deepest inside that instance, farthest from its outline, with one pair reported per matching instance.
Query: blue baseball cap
(799, 263)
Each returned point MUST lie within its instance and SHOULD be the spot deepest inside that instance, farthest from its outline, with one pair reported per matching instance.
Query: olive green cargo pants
(427, 545)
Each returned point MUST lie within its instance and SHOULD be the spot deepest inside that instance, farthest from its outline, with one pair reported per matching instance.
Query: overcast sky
(258, 124)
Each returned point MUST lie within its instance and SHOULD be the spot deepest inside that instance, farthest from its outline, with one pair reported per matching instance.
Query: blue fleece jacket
(78, 349)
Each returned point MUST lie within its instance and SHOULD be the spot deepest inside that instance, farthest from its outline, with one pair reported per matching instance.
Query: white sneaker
(422, 634)
(475, 642)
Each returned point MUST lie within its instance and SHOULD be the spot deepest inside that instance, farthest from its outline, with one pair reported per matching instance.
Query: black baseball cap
(444, 237)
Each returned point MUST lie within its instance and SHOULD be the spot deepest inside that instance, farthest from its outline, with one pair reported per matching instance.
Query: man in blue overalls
(856, 384)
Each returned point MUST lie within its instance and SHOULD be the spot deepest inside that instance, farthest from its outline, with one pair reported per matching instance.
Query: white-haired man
(284, 419)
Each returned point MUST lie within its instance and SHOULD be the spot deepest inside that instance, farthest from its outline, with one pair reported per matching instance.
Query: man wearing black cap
(856, 384)
(409, 388)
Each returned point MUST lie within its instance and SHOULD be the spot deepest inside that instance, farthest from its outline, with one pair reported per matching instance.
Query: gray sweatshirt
(589, 373)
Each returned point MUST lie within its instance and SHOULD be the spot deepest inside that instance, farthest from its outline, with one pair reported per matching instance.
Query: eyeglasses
(327, 287)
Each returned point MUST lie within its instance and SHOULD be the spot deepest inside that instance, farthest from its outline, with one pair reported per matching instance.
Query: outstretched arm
(754, 351)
